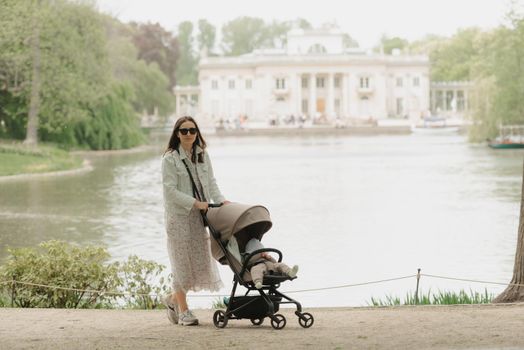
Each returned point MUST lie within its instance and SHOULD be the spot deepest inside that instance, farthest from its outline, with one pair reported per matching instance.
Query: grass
(16, 158)
(439, 298)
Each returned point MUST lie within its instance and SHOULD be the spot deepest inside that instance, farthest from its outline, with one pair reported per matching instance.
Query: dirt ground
(420, 327)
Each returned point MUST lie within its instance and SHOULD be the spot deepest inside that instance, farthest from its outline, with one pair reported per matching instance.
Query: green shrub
(145, 278)
(61, 264)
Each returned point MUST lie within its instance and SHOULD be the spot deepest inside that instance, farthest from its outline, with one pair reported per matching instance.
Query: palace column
(345, 82)
(330, 97)
(298, 95)
(312, 109)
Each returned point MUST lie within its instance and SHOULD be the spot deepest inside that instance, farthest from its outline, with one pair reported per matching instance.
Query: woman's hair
(174, 140)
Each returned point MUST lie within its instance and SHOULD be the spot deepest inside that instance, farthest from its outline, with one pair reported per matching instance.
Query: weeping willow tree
(498, 76)
(109, 125)
(63, 81)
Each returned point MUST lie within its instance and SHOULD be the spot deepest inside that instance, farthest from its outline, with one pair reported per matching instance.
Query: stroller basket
(253, 306)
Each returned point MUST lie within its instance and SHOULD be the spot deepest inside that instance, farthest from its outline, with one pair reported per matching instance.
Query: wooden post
(13, 292)
(416, 290)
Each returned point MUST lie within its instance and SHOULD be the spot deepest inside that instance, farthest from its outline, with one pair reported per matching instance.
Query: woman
(187, 239)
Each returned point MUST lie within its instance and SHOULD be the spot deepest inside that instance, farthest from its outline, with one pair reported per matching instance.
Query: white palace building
(315, 78)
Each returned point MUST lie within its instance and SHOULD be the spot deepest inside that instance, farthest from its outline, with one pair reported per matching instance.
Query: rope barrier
(474, 281)
(350, 285)
(289, 292)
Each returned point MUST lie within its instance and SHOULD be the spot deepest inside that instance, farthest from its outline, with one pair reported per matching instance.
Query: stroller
(232, 226)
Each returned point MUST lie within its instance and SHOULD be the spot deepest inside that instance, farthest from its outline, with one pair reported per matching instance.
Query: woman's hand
(201, 205)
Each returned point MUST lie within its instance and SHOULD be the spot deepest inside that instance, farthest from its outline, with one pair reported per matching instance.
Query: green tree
(186, 70)
(206, 36)
(349, 41)
(498, 73)
(61, 66)
(155, 44)
(452, 60)
(243, 35)
(387, 44)
(150, 84)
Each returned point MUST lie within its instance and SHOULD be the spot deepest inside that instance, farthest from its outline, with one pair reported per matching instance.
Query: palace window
(400, 106)
(249, 84)
(320, 82)
(305, 82)
(317, 49)
(231, 84)
(399, 82)
(364, 82)
(416, 81)
(280, 83)
(214, 84)
(336, 82)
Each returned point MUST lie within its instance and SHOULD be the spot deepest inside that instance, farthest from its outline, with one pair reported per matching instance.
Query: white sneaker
(293, 271)
(187, 319)
(172, 309)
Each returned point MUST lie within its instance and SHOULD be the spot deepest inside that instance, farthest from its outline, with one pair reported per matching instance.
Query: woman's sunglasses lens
(184, 131)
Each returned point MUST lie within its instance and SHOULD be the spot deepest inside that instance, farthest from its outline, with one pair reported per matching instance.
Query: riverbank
(16, 159)
(19, 162)
(406, 327)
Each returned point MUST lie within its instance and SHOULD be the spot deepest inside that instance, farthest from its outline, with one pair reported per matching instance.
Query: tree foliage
(498, 75)
(206, 36)
(85, 63)
(186, 71)
(387, 44)
(155, 44)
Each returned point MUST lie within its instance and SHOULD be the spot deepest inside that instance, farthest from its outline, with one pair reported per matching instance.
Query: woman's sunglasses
(184, 131)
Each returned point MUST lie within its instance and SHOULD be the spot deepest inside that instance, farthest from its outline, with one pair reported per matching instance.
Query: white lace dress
(192, 265)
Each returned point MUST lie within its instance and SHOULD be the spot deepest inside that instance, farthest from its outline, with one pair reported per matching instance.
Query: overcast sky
(364, 20)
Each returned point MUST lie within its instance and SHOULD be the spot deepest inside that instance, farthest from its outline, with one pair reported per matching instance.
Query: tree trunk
(515, 293)
(34, 106)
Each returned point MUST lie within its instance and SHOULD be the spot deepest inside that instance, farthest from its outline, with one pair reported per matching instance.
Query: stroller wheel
(306, 320)
(257, 321)
(220, 319)
(278, 321)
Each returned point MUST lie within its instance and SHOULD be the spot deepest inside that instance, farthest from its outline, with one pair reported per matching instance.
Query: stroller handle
(214, 205)
(215, 234)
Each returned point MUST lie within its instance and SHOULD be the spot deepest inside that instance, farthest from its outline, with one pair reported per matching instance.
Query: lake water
(348, 210)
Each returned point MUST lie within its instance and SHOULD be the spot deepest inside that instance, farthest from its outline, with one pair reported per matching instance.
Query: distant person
(266, 264)
(192, 266)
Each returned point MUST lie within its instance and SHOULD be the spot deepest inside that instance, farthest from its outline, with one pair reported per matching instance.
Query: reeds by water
(438, 298)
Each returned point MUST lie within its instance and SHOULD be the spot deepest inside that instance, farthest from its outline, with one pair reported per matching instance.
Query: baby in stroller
(236, 230)
(265, 263)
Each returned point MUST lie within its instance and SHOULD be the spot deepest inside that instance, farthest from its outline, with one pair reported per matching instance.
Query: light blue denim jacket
(178, 192)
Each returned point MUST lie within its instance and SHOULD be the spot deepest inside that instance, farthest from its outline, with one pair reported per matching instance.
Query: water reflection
(347, 209)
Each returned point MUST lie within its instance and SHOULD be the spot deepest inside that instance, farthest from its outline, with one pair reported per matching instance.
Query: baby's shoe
(293, 271)
(258, 284)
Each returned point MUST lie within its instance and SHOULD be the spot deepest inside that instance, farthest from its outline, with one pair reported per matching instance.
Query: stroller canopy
(232, 218)
(241, 221)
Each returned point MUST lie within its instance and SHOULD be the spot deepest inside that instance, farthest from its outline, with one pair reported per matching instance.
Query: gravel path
(421, 327)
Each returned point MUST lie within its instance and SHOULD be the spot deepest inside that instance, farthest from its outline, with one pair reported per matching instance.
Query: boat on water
(510, 137)
(435, 125)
